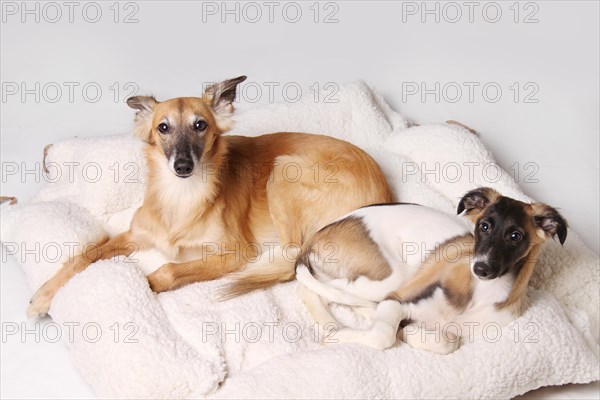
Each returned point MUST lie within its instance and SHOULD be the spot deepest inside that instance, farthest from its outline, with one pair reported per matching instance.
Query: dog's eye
(484, 227)
(516, 236)
(163, 128)
(200, 125)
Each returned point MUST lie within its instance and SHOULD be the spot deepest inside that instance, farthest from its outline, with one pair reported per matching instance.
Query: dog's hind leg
(286, 216)
(121, 244)
(318, 308)
(382, 333)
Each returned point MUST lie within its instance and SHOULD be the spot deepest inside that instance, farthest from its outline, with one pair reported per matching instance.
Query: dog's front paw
(39, 305)
(162, 280)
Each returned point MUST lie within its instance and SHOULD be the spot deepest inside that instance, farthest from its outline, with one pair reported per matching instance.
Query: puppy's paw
(39, 305)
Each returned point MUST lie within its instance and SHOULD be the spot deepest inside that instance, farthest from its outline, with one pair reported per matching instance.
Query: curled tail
(328, 292)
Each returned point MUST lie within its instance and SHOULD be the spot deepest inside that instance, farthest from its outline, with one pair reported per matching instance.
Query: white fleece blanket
(185, 343)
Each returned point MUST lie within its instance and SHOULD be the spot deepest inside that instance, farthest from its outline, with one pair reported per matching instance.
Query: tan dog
(213, 202)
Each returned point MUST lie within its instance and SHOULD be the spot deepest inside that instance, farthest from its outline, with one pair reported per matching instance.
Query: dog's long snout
(483, 270)
(183, 167)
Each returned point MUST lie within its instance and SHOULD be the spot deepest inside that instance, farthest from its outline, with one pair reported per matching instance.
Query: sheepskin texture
(188, 344)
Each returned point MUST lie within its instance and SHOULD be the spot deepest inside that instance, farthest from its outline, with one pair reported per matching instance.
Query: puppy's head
(506, 230)
(185, 128)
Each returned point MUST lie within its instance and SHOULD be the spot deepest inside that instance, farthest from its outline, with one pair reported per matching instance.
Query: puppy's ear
(477, 199)
(220, 97)
(549, 221)
(143, 117)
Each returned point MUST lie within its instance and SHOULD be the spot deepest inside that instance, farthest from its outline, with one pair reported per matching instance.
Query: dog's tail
(329, 292)
(262, 274)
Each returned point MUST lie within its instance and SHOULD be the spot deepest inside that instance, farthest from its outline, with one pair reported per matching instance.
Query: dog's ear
(476, 201)
(549, 221)
(220, 97)
(143, 117)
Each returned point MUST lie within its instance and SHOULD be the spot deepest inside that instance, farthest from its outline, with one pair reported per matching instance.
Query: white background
(174, 48)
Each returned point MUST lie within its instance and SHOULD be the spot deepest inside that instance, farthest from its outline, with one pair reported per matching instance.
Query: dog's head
(185, 128)
(506, 230)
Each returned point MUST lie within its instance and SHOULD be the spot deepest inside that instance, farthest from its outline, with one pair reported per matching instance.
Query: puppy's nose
(482, 270)
(183, 167)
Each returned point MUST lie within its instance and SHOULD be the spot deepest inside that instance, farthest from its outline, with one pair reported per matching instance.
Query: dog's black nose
(482, 270)
(183, 167)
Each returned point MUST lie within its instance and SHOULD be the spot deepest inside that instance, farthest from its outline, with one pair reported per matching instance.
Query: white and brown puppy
(214, 202)
(418, 264)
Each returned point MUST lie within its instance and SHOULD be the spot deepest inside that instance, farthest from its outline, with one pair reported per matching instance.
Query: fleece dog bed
(188, 344)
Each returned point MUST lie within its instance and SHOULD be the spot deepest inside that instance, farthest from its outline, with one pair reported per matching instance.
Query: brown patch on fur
(458, 286)
(364, 259)
(448, 267)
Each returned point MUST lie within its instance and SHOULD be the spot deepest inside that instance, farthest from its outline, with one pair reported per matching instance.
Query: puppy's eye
(163, 128)
(516, 236)
(484, 227)
(200, 125)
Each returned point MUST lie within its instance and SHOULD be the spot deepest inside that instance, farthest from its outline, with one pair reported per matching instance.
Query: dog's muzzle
(483, 270)
(183, 167)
